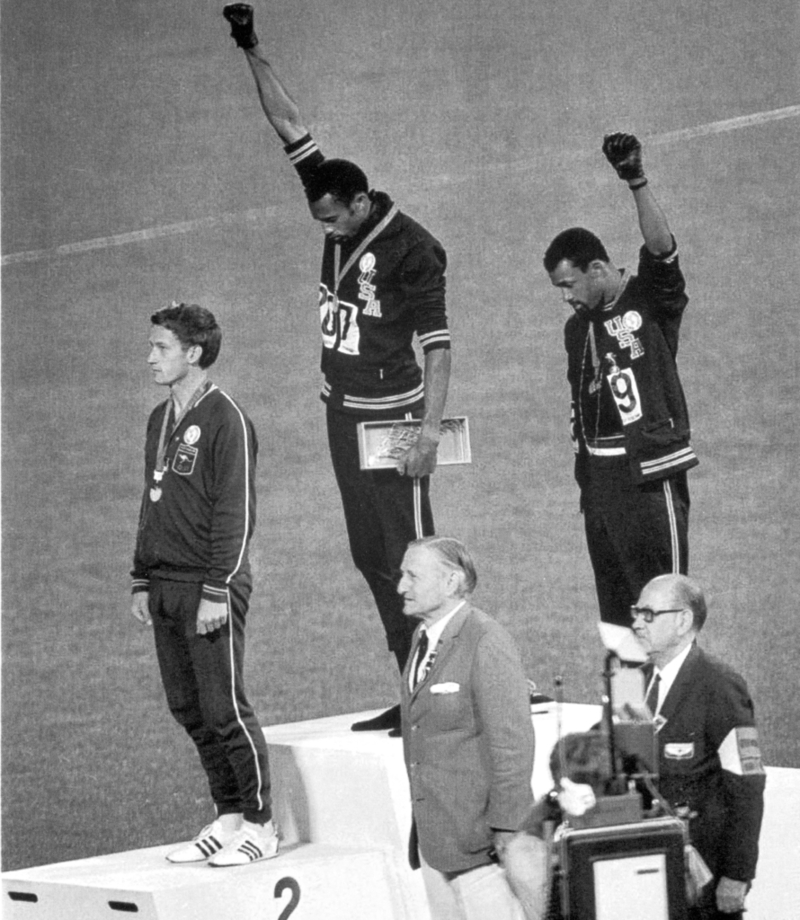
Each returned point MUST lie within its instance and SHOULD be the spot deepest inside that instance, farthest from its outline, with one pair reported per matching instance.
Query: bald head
(682, 591)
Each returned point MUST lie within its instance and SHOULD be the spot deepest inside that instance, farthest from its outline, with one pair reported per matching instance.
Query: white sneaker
(250, 844)
(209, 841)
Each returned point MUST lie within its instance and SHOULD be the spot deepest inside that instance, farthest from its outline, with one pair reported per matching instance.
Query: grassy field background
(132, 138)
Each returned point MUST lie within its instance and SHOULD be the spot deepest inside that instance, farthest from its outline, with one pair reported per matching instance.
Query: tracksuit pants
(204, 684)
(384, 512)
(633, 532)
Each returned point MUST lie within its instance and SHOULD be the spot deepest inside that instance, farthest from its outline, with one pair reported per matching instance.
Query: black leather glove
(240, 16)
(624, 153)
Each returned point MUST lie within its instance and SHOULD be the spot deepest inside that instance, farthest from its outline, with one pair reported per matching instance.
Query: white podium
(342, 804)
(341, 801)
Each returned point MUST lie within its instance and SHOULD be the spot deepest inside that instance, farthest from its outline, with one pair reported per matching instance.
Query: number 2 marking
(280, 886)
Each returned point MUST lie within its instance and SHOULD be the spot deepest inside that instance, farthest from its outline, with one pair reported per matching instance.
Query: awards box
(380, 444)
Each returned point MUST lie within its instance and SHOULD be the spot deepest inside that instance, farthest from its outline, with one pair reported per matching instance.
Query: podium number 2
(294, 887)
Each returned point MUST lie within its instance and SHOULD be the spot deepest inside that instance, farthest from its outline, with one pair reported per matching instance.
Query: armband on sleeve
(740, 753)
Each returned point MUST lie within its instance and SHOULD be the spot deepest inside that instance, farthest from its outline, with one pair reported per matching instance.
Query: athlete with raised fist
(382, 285)
(630, 424)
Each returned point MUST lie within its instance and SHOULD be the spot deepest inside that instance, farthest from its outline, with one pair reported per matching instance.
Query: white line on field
(137, 236)
(730, 124)
(256, 214)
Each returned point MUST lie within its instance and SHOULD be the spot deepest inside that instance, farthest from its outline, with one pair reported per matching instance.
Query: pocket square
(448, 687)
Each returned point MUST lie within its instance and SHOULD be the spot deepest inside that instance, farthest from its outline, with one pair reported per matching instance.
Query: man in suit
(467, 736)
(709, 760)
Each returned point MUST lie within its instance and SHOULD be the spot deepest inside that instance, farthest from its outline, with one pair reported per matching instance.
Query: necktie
(422, 651)
(652, 695)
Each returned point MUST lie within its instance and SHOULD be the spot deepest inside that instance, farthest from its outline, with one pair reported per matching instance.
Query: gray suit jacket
(468, 743)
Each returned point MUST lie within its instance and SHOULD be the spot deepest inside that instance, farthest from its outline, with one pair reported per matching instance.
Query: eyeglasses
(649, 615)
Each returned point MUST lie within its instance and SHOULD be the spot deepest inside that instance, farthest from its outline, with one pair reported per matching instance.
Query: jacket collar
(683, 681)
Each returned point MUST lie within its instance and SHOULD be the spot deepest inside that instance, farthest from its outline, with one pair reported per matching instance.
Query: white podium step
(341, 801)
(329, 781)
(306, 881)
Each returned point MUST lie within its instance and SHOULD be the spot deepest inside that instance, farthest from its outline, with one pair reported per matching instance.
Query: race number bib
(626, 395)
(339, 323)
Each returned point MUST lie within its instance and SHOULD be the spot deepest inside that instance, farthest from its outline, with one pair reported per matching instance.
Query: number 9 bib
(626, 395)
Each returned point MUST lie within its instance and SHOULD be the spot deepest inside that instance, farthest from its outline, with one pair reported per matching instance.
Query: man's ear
(686, 620)
(597, 268)
(361, 204)
(460, 584)
(194, 353)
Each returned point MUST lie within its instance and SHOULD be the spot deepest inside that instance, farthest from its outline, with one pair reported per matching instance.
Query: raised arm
(279, 107)
(624, 153)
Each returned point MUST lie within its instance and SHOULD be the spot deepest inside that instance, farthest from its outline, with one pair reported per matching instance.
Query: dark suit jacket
(468, 743)
(709, 759)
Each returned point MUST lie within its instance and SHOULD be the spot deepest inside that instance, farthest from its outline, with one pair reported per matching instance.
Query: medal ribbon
(597, 376)
(590, 348)
(337, 251)
(164, 436)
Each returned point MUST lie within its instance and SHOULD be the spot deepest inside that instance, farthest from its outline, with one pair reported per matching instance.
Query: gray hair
(689, 592)
(686, 592)
(453, 554)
